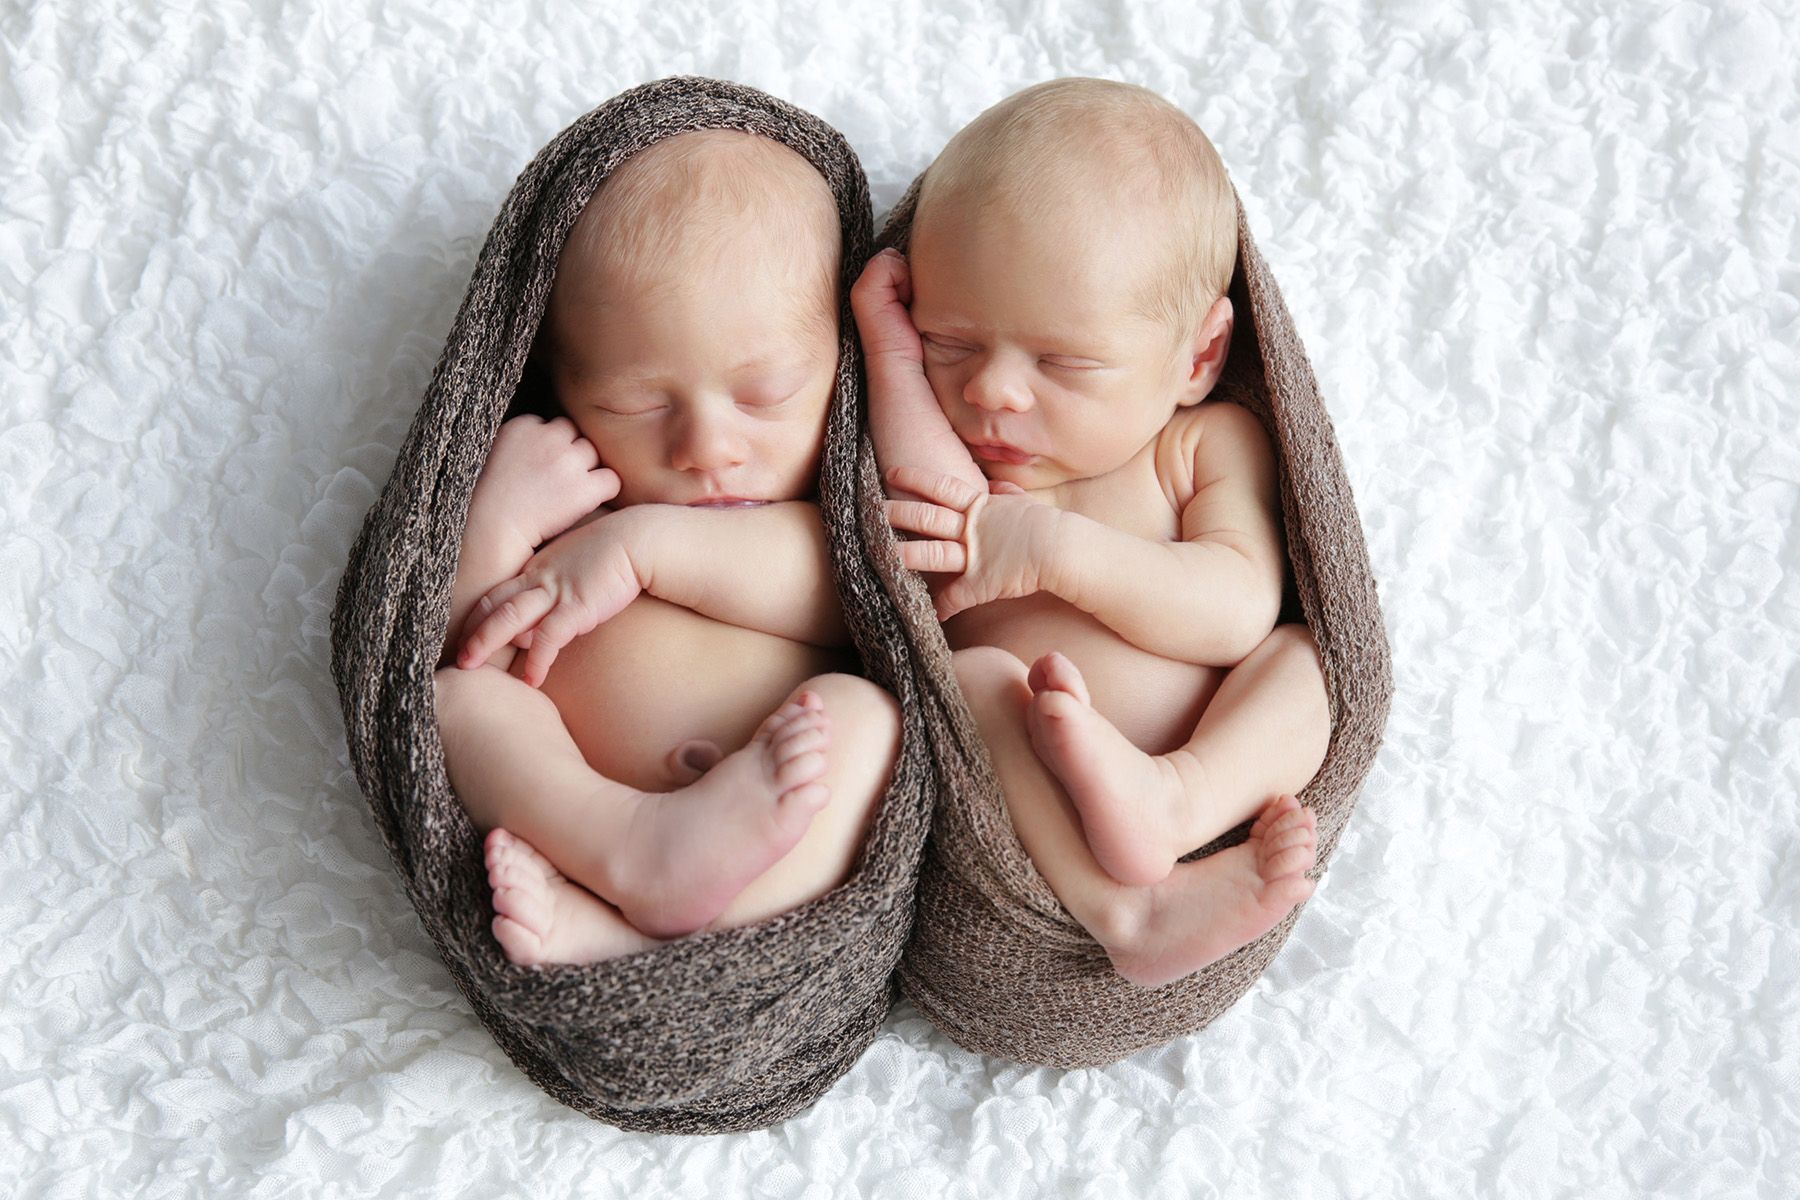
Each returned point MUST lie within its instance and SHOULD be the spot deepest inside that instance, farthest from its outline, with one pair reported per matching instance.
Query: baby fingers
(935, 485)
(934, 556)
(501, 621)
(932, 520)
(557, 630)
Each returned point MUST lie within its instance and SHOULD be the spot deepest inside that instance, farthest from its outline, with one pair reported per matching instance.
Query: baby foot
(687, 853)
(1209, 908)
(541, 917)
(1130, 802)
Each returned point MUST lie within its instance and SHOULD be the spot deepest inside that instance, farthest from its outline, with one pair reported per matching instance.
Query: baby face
(709, 381)
(1032, 340)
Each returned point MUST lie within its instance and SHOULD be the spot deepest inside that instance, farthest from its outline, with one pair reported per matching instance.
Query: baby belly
(1154, 701)
(658, 674)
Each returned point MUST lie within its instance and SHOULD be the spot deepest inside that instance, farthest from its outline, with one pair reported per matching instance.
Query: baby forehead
(701, 193)
(1067, 248)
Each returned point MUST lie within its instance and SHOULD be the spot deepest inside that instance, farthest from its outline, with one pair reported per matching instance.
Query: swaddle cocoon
(720, 1031)
(995, 960)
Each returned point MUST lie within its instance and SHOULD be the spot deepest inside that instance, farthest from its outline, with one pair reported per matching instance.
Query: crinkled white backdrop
(1546, 260)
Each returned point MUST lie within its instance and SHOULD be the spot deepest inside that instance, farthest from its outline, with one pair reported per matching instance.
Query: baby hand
(878, 300)
(586, 576)
(540, 478)
(1003, 542)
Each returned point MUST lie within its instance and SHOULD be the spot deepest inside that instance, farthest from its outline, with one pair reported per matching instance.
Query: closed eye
(766, 401)
(1064, 363)
(944, 346)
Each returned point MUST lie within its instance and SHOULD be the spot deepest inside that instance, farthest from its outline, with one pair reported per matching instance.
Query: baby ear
(1210, 344)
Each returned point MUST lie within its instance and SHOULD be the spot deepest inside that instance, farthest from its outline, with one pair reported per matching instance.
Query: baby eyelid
(765, 401)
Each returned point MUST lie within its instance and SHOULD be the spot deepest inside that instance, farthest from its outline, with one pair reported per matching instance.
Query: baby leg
(1264, 733)
(670, 862)
(491, 553)
(860, 743)
(1200, 912)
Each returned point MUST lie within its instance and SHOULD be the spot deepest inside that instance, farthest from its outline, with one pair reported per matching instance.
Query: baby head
(1070, 253)
(692, 329)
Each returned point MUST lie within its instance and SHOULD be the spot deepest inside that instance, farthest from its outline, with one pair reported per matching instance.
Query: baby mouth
(1005, 454)
(725, 502)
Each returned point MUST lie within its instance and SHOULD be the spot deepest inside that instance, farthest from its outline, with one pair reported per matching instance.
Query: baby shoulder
(1213, 441)
(1228, 437)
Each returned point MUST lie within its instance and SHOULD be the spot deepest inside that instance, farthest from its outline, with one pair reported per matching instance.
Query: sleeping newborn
(1102, 547)
(691, 337)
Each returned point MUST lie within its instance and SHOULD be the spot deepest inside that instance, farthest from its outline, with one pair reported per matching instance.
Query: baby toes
(1289, 890)
(799, 752)
(803, 767)
(809, 798)
(801, 737)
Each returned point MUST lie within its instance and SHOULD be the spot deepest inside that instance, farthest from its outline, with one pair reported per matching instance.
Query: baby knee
(865, 738)
(854, 703)
(1294, 640)
(1296, 654)
(457, 692)
(449, 691)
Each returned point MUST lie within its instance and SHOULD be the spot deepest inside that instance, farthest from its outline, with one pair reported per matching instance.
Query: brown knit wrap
(995, 960)
(731, 1030)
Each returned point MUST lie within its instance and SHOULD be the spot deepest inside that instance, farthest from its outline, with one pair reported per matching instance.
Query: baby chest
(1144, 496)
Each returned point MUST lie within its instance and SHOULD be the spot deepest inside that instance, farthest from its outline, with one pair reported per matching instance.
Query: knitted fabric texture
(995, 961)
(721, 1031)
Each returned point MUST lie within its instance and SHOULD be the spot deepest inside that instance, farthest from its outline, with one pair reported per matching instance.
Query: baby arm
(763, 568)
(1210, 598)
(905, 422)
(540, 478)
(766, 568)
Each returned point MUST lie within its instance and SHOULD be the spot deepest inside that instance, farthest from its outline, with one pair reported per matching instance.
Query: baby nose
(706, 442)
(995, 387)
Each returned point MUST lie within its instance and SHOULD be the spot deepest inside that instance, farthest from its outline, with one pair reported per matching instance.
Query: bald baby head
(1104, 151)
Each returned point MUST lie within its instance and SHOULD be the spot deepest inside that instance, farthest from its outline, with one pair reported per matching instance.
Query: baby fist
(540, 478)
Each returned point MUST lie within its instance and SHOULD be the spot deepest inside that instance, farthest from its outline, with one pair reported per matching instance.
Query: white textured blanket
(1547, 262)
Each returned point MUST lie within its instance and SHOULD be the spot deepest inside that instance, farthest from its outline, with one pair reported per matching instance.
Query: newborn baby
(691, 338)
(1104, 548)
